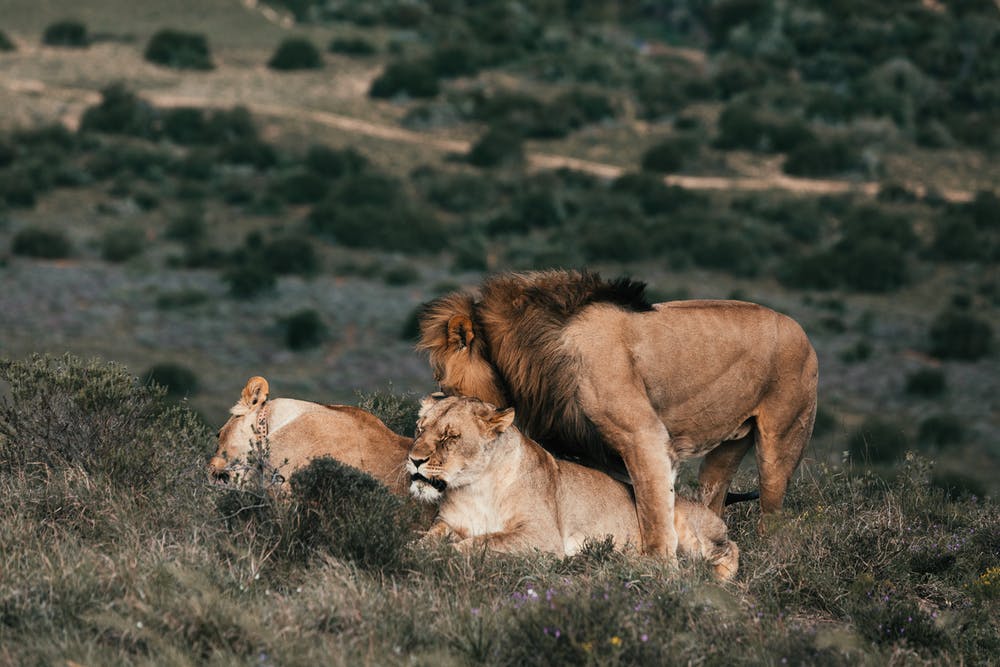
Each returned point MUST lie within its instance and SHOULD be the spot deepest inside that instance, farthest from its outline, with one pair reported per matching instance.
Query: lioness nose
(417, 462)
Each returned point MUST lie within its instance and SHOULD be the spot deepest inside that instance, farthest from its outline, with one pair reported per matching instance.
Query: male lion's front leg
(653, 473)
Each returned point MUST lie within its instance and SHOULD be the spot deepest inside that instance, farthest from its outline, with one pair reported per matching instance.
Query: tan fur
(505, 492)
(299, 431)
(597, 372)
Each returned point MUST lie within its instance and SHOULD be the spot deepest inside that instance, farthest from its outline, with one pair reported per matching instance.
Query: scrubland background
(274, 189)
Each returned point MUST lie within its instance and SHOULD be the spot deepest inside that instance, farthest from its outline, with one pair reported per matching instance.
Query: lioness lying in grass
(299, 431)
(500, 489)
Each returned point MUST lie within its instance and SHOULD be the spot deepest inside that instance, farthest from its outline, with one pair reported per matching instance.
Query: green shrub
(655, 196)
(669, 155)
(958, 240)
(926, 383)
(957, 334)
(182, 298)
(871, 265)
(254, 152)
(878, 441)
(822, 157)
(18, 189)
(941, 430)
(397, 411)
(291, 255)
(333, 163)
(295, 53)
(122, 243)
(499, 146)
(249, 279)
(67, 33)
(178, 380)
(455, 59)
(41, 243)
(179, 49)
(347, 514)
(456, 192)
(188, 227)
(304, 330)
(301, 187)
(402, 273)
(415, 79)
(957, 485)
(65, 413)
(6, 43)
(352, 46)
(395, 226)
(121, 112)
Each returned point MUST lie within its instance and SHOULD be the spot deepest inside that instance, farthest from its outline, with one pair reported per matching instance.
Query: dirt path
(77, 99)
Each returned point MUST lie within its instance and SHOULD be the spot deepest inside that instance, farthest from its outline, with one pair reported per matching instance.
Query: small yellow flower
(616, 641)
(587, 646)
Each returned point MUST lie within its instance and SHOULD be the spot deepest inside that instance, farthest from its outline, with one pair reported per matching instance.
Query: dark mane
(522, 316)
(564, 293)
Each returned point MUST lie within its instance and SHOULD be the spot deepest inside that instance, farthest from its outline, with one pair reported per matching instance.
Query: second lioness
(500, 489)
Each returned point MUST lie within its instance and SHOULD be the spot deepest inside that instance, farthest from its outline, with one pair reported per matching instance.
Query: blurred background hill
(211, 190)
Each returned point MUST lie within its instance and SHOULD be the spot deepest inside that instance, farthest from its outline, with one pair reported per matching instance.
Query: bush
(301, 187)
(18, 189)
(926, 383)
(352, 46)
(415, 79)
(871, 265)
(40, 243)
(958, 240)
(291, 255)
(400, 274)
(249, 279)
(121, 112)
(179, 49)
(497, 147)
(178, 380)
(941, 430)
(304, 329)
(296, 53)
(334, 163)
(6, 43)
(818, 157)
(347, 514)
(67, 33)
(188, 227)
(64, 413)
(121, 243)
(253, 152)
(668, 155)
(878, 441)
(956, 334)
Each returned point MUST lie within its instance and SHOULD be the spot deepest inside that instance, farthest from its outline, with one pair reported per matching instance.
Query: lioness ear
(460, 332)
(256, 390)
(501, 420)
(427, 402)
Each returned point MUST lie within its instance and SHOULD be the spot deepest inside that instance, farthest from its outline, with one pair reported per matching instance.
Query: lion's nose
(418, 462)
(217, 469)
(221, 476)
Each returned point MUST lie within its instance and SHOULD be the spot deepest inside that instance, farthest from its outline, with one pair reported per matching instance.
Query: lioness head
(454, 443)
(236, 433)
(458, 353)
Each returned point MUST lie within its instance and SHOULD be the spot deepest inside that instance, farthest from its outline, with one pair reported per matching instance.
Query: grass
(125, 556)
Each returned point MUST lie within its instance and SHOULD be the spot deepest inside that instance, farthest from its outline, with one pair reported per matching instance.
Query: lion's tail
(733, 498)
(253, 396)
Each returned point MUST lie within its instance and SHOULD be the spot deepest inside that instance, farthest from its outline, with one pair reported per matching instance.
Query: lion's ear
(501, 420)
(254, 394)
(427, 402)
(460, 332)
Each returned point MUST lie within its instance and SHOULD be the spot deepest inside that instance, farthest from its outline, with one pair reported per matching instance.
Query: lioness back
(299, 431)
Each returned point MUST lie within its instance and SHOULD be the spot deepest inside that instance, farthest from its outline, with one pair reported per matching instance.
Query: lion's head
(236, 434)
(454, 443)
(458, 352)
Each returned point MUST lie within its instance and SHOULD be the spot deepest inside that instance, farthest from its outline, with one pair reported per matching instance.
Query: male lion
(592, 366)
(299, 431)
(500, 489)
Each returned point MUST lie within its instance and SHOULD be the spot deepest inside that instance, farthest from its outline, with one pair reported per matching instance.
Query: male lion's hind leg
(781, 440)
(718, 469)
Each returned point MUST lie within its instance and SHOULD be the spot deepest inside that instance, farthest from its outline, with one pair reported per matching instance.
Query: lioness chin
(499, 489)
